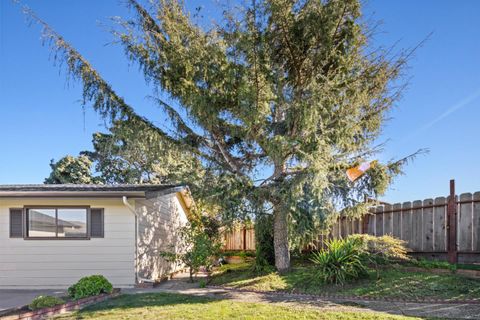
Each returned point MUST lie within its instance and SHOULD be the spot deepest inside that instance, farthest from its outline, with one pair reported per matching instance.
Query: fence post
(245, 238)
(452, 225)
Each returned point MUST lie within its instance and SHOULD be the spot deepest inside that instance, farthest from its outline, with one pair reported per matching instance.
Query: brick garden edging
(344, 297)
(59, 309)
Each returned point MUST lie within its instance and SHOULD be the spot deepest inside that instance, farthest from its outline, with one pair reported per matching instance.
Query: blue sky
(41, 116)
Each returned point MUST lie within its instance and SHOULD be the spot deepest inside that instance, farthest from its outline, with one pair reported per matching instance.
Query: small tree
(200, 245)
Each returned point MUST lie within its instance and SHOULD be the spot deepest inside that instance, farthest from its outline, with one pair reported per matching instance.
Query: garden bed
(393, 283)
(238, 257)
(25, 313)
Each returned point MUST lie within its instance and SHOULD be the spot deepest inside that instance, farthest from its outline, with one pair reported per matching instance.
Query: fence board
(341, 228)
(417, 227)
(387, 219)
(476, 221)
(439, 222)
(358, 226)
(344, 228)
(379, 221)
(427, 224)
(397, 220)
(371, 224)
(250, 246)
(335, 228)
(407, 223)
(465, 223)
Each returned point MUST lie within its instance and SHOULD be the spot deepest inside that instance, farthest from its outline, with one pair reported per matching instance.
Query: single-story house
(52, 235)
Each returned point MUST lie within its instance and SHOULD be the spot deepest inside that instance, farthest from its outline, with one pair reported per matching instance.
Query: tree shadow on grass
(131, 301)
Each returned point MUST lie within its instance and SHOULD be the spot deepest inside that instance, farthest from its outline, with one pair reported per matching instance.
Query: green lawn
(176, 306)
(392, 283)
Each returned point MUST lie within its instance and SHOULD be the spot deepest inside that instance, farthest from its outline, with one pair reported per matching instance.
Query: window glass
(72, 223)
(57, 223)
(41, 223)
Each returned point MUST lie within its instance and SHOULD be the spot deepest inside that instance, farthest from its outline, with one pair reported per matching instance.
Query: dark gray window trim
(25, 222)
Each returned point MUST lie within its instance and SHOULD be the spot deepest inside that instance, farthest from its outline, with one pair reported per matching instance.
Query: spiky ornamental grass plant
(341, 260)
(276, 101)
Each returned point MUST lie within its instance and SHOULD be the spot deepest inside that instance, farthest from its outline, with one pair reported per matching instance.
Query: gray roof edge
(89, 187)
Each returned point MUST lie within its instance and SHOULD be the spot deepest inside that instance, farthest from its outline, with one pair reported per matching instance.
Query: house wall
(159, 219)
(60, 263)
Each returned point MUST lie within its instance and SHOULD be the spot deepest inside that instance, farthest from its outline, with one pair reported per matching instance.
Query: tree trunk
(280, 239)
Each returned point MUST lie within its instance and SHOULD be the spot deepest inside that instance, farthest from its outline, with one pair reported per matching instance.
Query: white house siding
(60, 263)
(160, 218)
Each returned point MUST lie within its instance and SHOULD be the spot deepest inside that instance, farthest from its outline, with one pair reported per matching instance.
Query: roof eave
(71, 194)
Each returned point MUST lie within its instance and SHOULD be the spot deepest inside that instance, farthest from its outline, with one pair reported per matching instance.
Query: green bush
(381, 250)
(199, 250)
(90, 286)
(265, 252)
(342, 260)
(41, 302)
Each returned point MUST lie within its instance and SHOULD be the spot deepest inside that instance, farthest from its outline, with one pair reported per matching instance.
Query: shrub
(90, 286)
(342, 260)
(381, 250)
(41, 302)
(265, 252)
(199, 250)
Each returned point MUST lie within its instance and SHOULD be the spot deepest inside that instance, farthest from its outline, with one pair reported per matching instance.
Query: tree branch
(95, 88)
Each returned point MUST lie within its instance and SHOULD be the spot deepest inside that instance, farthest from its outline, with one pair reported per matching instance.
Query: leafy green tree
(126, 155)
(71, 169)
(200, 244)
(280, 95)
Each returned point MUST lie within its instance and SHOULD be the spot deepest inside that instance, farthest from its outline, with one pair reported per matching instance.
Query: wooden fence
(442, 228)
(239, 239)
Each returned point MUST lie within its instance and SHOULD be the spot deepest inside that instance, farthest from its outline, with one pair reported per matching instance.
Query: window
(57, 223)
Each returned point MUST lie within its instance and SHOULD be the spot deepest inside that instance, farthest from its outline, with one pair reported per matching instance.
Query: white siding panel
(55, 258)
(53, 281)
(159, 220)
(60, 263)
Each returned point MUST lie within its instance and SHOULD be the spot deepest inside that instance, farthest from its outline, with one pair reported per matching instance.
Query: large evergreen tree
(275, 102)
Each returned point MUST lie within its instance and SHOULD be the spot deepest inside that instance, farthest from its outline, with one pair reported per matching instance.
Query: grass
(389, 283)
(432, 264)
(177, 306)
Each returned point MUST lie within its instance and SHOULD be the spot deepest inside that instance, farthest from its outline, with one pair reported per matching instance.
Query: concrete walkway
(448, 311)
